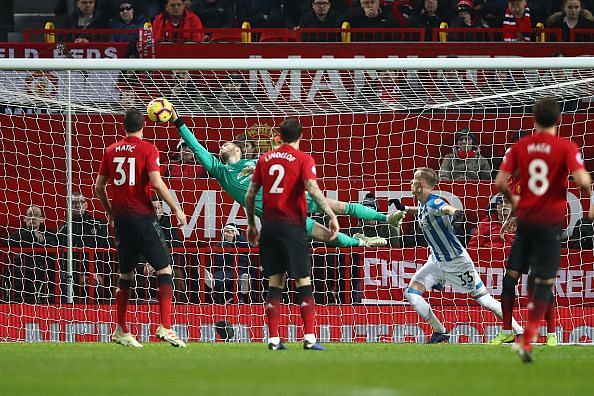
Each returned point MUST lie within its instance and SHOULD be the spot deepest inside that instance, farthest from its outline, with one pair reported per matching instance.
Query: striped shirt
(438, 231)
(511, 24)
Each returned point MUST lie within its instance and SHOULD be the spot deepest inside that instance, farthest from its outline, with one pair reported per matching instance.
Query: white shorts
(458, 273)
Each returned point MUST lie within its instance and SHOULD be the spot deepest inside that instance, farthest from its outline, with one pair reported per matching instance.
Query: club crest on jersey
(248, 170)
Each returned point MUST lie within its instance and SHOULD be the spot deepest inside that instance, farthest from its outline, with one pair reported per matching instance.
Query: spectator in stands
(466, 17)
(320, 16)
(247, 146)
(371, 15)
(583, 235)
(572, 16)
(127, 18)
(177, 24)
(259, 13)
(33, 278)
(224, 270)
(492, 11)
(497, 229)
(466, 161)
(183, 164)
(517, 16)
(87, 232)
(428, 17)
(371, 228)
(214, 13)
(84, 17)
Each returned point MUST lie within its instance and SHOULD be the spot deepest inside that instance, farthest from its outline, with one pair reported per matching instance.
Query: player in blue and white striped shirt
(448, 262)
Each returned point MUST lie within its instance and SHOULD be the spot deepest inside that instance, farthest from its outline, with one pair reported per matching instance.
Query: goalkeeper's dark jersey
(234, 178)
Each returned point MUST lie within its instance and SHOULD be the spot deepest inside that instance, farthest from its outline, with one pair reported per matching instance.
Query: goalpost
(368, 123)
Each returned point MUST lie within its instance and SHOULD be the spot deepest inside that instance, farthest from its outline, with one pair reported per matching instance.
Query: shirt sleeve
(308, 168)
(509, 160)
(208, 161)
(152, 163)
(573, 158)
(435, 206)
(104, 168)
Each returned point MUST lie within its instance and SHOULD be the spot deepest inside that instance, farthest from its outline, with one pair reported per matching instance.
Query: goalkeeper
(234, 174)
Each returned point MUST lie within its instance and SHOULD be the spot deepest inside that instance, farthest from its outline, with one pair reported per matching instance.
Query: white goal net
(368, 124)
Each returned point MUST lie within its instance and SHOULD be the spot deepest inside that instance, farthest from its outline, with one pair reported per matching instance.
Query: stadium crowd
(192, 21)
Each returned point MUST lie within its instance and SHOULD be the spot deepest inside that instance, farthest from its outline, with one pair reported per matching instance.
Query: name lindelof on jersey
(539, 148)
(275, 154)
(125, 147)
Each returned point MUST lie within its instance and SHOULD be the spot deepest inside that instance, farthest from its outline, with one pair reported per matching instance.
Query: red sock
(273, 311)
(165, 297)
(551, 316)
(507, 307)
(536, 309)
(308, 314)
(122, 296)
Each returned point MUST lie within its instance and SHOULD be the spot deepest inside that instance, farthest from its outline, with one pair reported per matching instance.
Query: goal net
(368, 124)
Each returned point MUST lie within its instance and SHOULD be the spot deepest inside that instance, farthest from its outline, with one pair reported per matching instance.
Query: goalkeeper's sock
(273, 311)
(364, 212)
(343, 240)
(508, 298)
(307, 309)
(415, 298)
(165, 297)
(122, 296)
(550, 315)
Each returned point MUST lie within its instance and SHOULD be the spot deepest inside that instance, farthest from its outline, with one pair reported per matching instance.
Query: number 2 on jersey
(538, 182)
(124, 176)
(277, 168)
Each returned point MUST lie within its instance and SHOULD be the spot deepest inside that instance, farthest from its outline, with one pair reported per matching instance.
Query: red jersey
(282, 174)
(541, 164)
(128, 163)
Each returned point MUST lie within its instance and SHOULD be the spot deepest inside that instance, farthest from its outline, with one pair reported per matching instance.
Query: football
(159, 110)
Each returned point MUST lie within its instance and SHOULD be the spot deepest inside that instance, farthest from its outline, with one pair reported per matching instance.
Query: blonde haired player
(448, 262)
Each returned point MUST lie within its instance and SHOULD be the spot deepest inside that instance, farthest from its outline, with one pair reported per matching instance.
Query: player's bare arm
(163, 193)
(584, 181)
(449, 210)
(101, 191)
(311, 185)
(501, 184)
(250, 208)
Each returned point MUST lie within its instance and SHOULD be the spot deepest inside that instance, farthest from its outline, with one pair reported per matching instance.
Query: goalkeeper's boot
(371, 241)
(524, 352)
(125, 339)
(438, 338)
(504, 337)
(277, 347)
(395, 218)
(552, 339)
(315, 346)
(169, 336)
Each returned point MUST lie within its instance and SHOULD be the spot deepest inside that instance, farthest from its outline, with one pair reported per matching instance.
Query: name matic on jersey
(125, 147)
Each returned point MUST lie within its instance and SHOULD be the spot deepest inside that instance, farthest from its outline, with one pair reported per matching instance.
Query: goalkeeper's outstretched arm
(211, 163)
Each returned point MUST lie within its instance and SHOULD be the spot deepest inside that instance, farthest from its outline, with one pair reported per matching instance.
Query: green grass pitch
(250, 369)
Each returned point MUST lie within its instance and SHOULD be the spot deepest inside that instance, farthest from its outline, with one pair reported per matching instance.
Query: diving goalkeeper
(234, 174)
